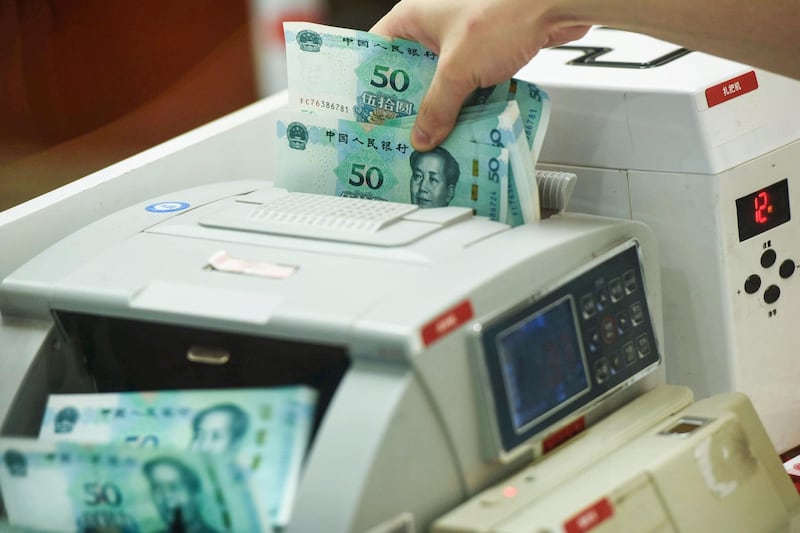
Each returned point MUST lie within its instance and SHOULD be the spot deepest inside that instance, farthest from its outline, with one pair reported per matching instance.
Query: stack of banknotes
(353, 99)
(168, 461)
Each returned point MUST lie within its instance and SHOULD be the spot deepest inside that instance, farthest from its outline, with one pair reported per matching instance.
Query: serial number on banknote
(324, 104)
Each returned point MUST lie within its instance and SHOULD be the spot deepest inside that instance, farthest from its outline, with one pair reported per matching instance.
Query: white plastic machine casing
(675, 145)
(403, 434)
(707, 467)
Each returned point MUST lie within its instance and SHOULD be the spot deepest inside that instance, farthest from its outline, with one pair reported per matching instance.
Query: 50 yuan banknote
(366, 77)
(67, 486)
(354, 74)
(266, 430)
(325, 155)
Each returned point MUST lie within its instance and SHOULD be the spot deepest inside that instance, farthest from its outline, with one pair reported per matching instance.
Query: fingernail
(420, 139)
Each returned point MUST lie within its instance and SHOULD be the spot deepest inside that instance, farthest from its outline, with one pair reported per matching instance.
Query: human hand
(479, 42)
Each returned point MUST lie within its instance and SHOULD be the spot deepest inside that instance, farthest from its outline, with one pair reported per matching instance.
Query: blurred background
(86, 83)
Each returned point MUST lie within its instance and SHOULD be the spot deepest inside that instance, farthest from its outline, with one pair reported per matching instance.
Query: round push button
(772, 294)
(787, 268)
(752, 284)
(768, 258)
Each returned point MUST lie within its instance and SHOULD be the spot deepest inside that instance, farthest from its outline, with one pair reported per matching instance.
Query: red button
(590, 517)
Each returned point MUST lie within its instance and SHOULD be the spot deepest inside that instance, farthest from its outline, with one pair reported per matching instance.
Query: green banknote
(355, 74)
(266, 430)
(366, 77)
(325, 155)
(66, 486)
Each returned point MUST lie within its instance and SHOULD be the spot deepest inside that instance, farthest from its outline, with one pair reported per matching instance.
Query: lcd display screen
(542, 363)
(763, 209)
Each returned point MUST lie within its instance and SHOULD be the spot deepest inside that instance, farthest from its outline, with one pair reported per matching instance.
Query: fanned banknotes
(360, 76)
(266, 430)
(534, 106)
(325, 155)
(66, 486)
(499, 124)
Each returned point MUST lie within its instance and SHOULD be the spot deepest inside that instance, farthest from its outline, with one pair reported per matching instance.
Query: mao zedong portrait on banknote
(219, 428)
(434, 176)
(177, 493)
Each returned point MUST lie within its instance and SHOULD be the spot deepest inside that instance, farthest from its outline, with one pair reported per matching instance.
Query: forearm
(481, 42)
(763, 33)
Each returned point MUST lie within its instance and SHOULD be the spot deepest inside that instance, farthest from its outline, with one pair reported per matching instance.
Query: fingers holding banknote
(479, 44)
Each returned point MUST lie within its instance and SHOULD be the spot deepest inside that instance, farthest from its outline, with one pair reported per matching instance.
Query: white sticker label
(223, 262)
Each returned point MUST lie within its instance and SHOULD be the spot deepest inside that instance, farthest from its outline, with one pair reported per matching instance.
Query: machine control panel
(553, 356)
(756, 213)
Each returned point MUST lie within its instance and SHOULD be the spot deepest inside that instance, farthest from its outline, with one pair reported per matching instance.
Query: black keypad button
(787, 269)
(772, 294)
(768, 258)
(643, 345)
(752, 284)
(637, 313)
(629, 282)
(629, 353)
(616, 290)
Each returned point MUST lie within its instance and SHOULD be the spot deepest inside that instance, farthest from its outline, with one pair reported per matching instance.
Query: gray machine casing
(403, 432)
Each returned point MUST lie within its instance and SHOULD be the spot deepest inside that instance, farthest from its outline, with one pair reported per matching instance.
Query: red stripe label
(732, 88)
(564, 434)
(590, 517)
(446, 322)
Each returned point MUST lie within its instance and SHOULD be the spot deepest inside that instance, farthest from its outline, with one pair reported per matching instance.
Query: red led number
(762, 207)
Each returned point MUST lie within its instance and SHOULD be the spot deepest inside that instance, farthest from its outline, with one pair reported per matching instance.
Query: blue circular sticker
(167, 207)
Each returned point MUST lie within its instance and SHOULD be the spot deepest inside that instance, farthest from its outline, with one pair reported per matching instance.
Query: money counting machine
(449, 352)
(705, 151)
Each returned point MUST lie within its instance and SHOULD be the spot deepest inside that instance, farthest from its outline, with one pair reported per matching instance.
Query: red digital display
(763, 209)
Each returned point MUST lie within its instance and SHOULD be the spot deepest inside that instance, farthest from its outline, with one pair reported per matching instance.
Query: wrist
(566, 13)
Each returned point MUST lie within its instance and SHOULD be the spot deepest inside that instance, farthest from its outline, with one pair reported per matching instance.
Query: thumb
(439, 109)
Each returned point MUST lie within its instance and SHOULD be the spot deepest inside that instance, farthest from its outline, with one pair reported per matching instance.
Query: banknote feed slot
(335, 218)
(127, 355)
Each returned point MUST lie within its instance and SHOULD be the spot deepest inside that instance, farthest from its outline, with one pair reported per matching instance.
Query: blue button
(167, 207)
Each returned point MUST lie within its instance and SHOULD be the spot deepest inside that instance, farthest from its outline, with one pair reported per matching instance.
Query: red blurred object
(791, 462)
(85, 84)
